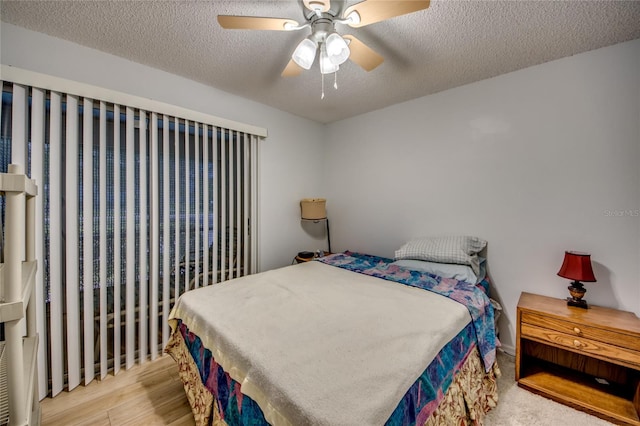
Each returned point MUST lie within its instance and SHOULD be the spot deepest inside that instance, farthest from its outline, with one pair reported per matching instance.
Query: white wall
(288, 154)
(534, 161)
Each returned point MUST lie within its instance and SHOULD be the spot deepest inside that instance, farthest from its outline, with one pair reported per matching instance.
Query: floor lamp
(315, 210)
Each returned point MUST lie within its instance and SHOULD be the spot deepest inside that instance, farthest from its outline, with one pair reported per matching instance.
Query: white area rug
(518, 407)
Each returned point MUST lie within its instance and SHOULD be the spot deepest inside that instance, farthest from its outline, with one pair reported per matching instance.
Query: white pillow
(445, 270)
(462, 250)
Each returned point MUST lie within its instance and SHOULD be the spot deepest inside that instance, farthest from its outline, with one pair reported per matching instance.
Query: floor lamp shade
(313, 208)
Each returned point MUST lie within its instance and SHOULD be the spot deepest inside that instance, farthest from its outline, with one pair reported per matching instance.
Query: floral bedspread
(426, 393)
(447, 392)
(421, 401)
(471, 296)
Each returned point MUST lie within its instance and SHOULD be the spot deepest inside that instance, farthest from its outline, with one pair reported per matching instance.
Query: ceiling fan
(322, 16)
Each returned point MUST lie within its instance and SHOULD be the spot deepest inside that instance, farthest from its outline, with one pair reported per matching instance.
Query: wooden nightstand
(588, 359)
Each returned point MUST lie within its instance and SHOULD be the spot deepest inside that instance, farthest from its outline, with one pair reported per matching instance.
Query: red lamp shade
(577, 267)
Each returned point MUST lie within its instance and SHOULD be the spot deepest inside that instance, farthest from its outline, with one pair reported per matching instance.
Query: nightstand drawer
(583, 331)
(594, 348)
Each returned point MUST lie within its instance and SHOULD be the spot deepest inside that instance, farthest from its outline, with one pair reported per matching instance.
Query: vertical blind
(135, 207)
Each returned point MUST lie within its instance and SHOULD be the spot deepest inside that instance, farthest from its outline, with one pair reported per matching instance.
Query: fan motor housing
(321, 28)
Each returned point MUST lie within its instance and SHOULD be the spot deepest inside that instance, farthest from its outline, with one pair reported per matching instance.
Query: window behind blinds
(135, 207)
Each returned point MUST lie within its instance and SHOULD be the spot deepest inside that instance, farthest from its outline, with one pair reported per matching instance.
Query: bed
(347, 339)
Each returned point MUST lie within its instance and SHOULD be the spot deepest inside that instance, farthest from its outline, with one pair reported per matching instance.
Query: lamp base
(580, 303)
(577, 291)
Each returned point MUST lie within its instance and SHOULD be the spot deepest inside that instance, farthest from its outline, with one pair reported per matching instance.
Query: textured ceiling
(450, 44)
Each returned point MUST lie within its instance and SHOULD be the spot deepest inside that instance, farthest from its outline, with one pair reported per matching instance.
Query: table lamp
(577, 267)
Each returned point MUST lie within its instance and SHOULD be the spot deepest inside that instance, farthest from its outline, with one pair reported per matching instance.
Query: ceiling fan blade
(317, 5)
(292, 69)
(255, 23)
(362, 54)
(372, 11)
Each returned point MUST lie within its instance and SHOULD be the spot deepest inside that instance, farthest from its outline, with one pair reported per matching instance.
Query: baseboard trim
(509, 350)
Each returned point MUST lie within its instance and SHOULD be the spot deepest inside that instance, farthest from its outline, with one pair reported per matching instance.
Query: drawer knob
(577, 343)
(577, 330)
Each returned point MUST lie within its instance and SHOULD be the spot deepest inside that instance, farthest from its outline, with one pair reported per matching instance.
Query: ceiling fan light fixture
(337, 49)
(326, 65)
(305, 53)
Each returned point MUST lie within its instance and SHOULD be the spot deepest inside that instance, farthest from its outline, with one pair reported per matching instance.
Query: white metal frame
(18, 283)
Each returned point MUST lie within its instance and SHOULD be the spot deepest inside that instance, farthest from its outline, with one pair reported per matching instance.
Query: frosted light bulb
(305, 53)
(337, 49)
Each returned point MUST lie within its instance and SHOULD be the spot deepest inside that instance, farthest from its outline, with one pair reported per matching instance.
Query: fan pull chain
(335, 83)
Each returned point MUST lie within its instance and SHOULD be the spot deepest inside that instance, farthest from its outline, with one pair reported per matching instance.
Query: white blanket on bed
(317, 344)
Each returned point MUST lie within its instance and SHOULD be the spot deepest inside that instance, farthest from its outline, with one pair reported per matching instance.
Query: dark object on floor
(306, 254)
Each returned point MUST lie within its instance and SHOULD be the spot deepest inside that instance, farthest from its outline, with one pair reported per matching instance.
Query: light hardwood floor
(151, 394)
